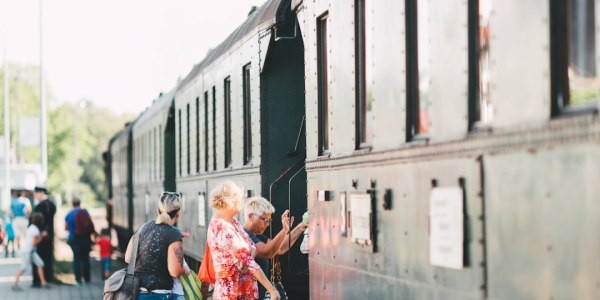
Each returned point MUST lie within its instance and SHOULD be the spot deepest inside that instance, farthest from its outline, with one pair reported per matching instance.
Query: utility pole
(7, 188)
(43, 108)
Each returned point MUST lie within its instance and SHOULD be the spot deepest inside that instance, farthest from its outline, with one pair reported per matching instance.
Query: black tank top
(151, 266)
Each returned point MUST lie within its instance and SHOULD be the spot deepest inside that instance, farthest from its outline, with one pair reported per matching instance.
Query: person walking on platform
(29, 256)
(80, 226)
(20, 208)
(258, 213)
(232, 250)
(46, 247)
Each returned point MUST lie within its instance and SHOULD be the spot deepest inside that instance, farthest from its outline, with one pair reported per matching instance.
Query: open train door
(283, 141)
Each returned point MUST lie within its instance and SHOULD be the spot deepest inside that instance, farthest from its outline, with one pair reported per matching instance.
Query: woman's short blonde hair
(168, 206)
(258, 206)
(226, 195)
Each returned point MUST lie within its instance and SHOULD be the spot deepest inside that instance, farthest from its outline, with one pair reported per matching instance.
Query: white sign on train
(447, 228)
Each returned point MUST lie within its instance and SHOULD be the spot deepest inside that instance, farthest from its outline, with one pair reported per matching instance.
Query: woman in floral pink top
(232, 250)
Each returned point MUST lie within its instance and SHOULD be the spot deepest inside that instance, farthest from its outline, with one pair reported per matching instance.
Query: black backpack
(83, 224)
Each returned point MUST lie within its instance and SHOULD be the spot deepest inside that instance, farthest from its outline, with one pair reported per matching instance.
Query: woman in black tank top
(160, 252)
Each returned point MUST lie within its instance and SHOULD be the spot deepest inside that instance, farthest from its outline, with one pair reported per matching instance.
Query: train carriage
(240, 117)
(153, 156)
(121, 204)
(450, 147)
(445, 149)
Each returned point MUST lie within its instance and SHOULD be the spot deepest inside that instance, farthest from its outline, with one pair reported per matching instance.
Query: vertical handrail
(290, 208)
(281, 177)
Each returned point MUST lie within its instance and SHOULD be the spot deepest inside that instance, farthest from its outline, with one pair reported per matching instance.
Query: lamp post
(43, 108)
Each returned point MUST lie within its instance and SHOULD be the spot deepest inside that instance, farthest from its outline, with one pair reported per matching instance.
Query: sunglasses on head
(170, 193)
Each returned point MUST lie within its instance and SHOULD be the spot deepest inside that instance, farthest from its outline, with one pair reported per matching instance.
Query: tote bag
(192, 286)
(206, 273)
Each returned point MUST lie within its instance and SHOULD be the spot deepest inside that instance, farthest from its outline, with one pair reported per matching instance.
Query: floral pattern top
(231, 251)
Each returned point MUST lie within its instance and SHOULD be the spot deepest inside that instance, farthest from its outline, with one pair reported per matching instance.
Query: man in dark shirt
(45, 248)
(258, 212)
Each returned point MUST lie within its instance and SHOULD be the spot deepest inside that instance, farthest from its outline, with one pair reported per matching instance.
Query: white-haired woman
(258, 212)
(232, 250)
(160, 252)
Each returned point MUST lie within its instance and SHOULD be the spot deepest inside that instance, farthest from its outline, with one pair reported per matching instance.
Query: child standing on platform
(105, 251)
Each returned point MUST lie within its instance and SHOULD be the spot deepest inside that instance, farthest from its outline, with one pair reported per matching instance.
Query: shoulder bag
(124, 284)
(206, 273)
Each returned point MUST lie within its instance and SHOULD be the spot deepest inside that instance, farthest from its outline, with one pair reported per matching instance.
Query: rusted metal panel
(543, 219)
(401, 255)
(519, 49)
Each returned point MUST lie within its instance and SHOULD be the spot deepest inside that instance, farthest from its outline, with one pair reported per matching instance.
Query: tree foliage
(78, 133)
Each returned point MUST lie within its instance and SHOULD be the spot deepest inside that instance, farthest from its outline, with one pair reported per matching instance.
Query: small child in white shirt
(28, 250)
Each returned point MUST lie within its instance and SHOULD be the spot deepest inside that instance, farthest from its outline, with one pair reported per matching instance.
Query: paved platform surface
(64, 288)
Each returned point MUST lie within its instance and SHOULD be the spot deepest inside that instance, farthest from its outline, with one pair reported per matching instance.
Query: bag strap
(132, 259)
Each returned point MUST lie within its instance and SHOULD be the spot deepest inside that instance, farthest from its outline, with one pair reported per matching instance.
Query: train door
(284, 148)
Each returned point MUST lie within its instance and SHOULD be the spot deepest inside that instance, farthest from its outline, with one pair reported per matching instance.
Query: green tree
(77, 136)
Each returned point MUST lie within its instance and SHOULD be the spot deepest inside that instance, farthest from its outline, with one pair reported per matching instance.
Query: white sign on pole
(29, 131)
(447, 228)
(201, 210)
(360, 210)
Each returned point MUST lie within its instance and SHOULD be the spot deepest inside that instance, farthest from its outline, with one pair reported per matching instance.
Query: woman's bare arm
(262, 278)
(128, 251)
(287, 244)
(175, 259)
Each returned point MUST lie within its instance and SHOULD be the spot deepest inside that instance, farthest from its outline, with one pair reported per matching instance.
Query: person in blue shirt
(80, 245)
(20, 208)
(258, 213)
(10, 237)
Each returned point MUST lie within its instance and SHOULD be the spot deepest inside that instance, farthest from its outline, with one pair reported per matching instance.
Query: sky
(117, 54)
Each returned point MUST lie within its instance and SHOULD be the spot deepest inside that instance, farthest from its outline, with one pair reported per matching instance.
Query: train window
(187, 145)
(206, 131)
(161, 153)
(214, 126)
(323, 101)
(573, 55)
(364, 107)
(418, 70)
(247, 118)
(155, 160)
(197, 134)
(480, 107)
(180, 151)
(227, 119)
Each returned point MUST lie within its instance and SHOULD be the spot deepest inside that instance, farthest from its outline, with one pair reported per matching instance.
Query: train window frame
(480, 107)
(214, 126)
(247, 113)
(156, 161)
(323, 85)
(180, 146)
(197, 135)
(227, 120)
(560, 89)
(187, 145)
(206, 128)
(413, 78)
(160, 153)
(362, 125)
